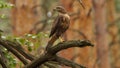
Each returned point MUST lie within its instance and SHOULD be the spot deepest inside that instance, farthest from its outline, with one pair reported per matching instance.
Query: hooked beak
(54, 9)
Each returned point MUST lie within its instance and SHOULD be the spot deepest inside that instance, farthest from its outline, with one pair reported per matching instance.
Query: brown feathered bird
(60, 25)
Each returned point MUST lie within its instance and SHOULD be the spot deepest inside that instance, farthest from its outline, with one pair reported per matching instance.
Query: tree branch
(69, 63)
(69, 44)
(81, 3)
(20, 49)
(49, 65)
(17, 54)
(50, 54)
(3, 63)
(3, 59)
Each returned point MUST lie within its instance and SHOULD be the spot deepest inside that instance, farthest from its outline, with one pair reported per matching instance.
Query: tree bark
(101, 33)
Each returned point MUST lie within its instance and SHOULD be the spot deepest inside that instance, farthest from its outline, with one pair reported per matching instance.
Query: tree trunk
(24, 15)
(101, 33)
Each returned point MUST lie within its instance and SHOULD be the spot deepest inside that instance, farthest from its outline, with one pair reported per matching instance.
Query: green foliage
(8, 58)
(4, 16)
(117, 5)
(1, 33)
(4, 5)
(11, 60)
(30, 41)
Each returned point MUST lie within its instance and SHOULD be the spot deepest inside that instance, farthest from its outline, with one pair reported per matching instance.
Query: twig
(81, 3)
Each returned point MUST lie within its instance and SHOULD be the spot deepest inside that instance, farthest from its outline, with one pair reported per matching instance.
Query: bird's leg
(61, 39)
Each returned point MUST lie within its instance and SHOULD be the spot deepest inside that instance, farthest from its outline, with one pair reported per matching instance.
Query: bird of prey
(60, 24)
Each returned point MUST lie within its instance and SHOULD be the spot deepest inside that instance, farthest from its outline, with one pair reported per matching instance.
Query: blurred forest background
(29, 23)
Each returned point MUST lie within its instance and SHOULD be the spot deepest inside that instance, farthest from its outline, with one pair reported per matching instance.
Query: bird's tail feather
(51, 42)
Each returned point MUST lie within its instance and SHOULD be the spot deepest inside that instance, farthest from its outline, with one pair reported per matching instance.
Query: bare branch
(20, 49)
(69, 63)
(50, 54)
(81, 3)
(3, 63)
(69, 44)
(16, 48)
(49, 65)
(17, 54)
(3, 59)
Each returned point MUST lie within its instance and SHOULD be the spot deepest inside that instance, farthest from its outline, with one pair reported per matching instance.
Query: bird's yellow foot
(61, 40)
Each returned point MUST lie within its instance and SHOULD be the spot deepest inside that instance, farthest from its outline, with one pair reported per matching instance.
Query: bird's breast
(67, 16)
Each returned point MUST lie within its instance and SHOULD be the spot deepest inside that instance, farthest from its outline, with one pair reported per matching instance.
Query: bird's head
(60, 9)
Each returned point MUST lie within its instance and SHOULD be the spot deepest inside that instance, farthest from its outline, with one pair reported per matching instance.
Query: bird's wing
(55, 25)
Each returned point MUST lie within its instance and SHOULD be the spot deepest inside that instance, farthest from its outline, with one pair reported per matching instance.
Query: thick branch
(37, 62)
(17, 54)
(16, 48)
(69, 44)
(3, 58)
(2, 63)
(69, 63)
(50, 55)
(20, 49)
(50, 65)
